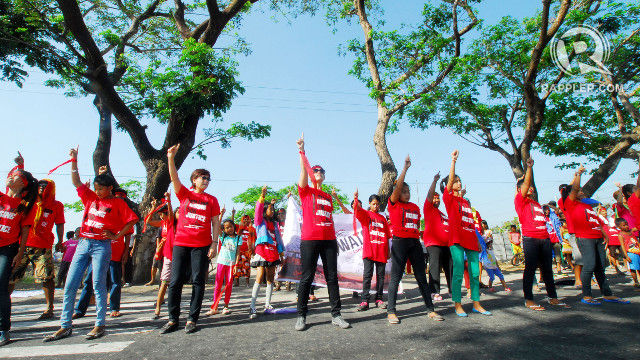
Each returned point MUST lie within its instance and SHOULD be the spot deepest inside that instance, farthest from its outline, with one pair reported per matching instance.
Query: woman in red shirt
(462, 239)
(536, 242)
(436, 239)
(194, 243)
(15, 222)
(589, 234)
(375, 248)
(404, 217)
(318, 239)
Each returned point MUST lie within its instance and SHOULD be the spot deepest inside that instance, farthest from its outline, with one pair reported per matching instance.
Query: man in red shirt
(536, 243)
(589, 234)
(436, 240)
(46, 213)
(318, 239)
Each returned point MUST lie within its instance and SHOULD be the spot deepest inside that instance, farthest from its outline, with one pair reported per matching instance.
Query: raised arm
(170, 215)
(528, 178)
(395, 195)
(257, 216)
(575, 184)
(75, 177)
(432, 188)
(344, 208)
(637, 191)
(173, 171)
(304, 177)
(149, 221)
(452, 171)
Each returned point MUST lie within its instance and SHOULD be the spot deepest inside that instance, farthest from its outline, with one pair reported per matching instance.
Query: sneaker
(190, 327)
(301, 323)
(364, 306)
(252, 313)
(4, 338)
(126, 285)
(225, 311)
(380, 304)
(169, 327)
(339, 321)
(436, 297)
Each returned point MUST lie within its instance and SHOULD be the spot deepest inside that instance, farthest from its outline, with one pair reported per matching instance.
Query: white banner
(350, 266)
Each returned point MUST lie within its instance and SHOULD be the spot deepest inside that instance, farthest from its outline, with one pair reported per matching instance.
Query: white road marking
(70, 349)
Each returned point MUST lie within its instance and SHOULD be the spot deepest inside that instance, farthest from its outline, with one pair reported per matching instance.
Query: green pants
(457, 257)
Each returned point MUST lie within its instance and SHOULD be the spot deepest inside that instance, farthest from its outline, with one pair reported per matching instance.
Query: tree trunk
(607, 167)
(389, 171)
(103, 146)
(158, 181)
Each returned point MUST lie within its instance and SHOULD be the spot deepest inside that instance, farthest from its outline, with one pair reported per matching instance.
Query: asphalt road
(610, 331)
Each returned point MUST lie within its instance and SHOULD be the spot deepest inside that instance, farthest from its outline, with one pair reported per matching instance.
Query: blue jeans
(114, 283)
(94, 253)
(7, 253)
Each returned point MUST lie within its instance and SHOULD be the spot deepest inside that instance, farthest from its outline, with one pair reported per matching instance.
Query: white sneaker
(225, 311)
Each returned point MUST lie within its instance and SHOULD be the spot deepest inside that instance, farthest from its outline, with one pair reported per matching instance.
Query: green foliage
(506, 226)
(249, 132)
(199, 82)
(75, 206)
(248, 198)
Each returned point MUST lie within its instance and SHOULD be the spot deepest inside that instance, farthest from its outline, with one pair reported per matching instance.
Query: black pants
(128, 269)
(62, 273)
(401, 250)
(327, 250)
(7, 253)
(367, 275)
(439, 259)
(594, 261)
(537, 253)
(187, 260)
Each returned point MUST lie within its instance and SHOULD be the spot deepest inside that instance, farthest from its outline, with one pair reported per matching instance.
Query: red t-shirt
(317, 214)
(531, 217)
(118, 247)
(586, 223)
(10, 221)
(609, 227)
(168, 234)
(404, 219)
(41, 235)
(567, 218)
(102, 214)
(248, 235)
(436, 226)
(634, 206)
(375, 234)
(194, 222)
(477, 221)
(462, 229)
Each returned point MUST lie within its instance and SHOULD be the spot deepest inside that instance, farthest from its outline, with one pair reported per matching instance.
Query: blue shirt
(229, 249)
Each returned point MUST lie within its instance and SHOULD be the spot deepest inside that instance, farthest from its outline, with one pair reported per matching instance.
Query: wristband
(301, 152)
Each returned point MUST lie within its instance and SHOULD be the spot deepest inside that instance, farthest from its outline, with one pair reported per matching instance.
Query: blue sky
(296, 81)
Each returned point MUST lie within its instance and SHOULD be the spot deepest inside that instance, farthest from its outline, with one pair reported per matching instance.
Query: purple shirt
(69, 249)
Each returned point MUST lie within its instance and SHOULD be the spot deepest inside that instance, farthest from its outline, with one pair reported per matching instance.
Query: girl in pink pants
(227, 258)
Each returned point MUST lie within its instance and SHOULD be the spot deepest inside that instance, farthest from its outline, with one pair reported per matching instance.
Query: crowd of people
(574, 231)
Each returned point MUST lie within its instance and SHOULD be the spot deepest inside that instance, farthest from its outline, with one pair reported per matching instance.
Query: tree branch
(359, 6)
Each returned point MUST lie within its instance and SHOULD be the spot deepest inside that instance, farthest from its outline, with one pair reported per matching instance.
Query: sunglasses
(321, 171)
(205, 178)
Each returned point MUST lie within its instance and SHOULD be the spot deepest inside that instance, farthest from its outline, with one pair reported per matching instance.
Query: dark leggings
(367, 276)
(7, 253)
(537, 253)
(188, 264)
(327, 250)
(401, 250)
(594, 261)
(439, 259)
(62, 273)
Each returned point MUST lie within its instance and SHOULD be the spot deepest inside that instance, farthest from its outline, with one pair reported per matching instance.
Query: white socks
(254, 294)
(267, 302)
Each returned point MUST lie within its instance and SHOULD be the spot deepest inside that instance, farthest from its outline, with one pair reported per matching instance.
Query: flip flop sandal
(535, 307)
(46, 316)
(560, 304)
(592, 302)
(436, 317)
(617, 301)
